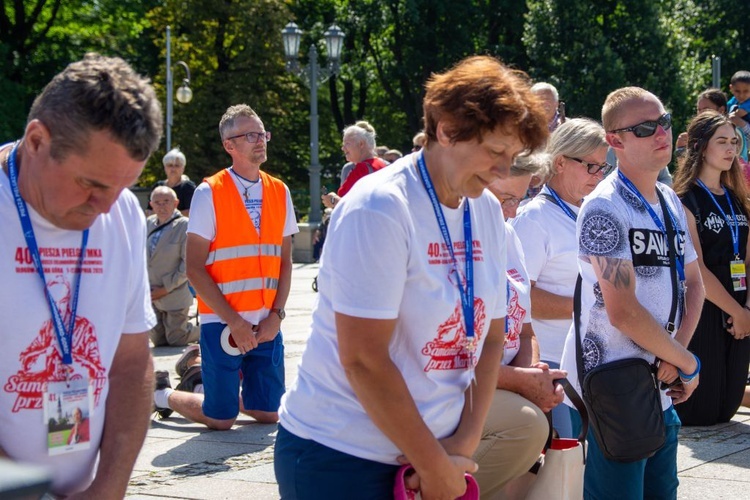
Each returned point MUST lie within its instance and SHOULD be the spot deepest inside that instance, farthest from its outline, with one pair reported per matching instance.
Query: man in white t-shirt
(627, 286)
(75, 366)
(239, 260)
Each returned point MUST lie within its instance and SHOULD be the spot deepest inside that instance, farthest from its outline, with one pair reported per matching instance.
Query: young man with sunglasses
(629, 282)
(239, 260)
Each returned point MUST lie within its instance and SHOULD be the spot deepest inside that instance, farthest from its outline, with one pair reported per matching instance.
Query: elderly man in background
(167, 274)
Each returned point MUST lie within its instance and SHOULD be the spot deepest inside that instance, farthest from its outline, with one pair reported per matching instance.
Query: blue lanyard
(64, 335)
(658, 222)
(467, 294)
(563, 206)
(734, 229)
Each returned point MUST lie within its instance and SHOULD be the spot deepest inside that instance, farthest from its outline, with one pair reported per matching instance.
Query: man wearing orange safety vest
(239, 260)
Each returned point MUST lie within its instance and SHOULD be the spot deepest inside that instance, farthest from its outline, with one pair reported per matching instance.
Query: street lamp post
(334, 38)
(184, 94)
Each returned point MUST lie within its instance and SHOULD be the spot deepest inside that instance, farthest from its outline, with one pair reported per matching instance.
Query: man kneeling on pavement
(167, 273)
(241, 268)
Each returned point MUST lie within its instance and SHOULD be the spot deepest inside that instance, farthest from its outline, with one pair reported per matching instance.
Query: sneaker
(192, 377)
(191, 352)
(162, 382)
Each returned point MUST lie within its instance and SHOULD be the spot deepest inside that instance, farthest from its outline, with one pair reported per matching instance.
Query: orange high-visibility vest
(245, 267)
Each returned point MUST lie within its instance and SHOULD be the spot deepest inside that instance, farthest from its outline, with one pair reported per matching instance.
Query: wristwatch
(280, 311)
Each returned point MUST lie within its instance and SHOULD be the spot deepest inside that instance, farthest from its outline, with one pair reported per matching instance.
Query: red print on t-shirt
(448, 350)
(41, 361)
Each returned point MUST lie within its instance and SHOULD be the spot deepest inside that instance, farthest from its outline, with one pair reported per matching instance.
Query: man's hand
(244, 336)
(268, 328)
(666, 372)
(158, 292)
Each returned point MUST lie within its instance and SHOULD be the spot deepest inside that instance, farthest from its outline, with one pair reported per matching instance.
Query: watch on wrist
(280, 311)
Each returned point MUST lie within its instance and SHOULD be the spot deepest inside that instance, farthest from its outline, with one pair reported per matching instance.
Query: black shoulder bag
(623, 397)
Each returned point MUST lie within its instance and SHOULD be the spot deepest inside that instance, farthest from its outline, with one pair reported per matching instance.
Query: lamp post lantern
(334, 39)
(184, 93)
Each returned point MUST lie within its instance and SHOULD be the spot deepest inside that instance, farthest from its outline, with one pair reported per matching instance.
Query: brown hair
(480, 94)
(716, 96)
(99, 93)
(700, 130)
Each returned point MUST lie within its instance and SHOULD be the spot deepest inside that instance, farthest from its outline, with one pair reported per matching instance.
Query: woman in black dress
(710, 182)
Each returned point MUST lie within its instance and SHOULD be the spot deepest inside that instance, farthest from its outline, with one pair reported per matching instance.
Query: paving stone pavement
(182, 460)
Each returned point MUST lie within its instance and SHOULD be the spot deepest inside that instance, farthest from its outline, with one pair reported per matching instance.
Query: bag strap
(672, 246)
(581, 407)
(577, 322)
(162, 226)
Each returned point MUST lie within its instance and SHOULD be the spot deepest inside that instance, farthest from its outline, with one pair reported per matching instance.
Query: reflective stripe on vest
(243, 251)
(248, 284)
(246, 264)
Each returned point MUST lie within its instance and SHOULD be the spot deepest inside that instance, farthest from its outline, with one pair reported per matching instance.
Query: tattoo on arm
(616, 271)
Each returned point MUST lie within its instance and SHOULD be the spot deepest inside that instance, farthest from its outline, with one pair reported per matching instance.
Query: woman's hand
(539, 387)
(740, 324)
(445, 481)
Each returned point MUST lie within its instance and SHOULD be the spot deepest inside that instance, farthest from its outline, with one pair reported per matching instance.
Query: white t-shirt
(203, 223)
(519, 305)
(384, 258)
(114, 299)
(614, 223)
(551, 251)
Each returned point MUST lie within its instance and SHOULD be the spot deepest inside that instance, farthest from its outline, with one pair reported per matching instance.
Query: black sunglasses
(647, 129)
(594, 168)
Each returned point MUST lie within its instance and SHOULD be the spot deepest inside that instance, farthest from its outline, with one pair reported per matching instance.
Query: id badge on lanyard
(739, 276)
(68, 406)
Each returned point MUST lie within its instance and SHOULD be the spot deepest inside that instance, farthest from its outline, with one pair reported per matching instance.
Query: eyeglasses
(648, 128)
(509, 202)
(253, 137)
(594, 168)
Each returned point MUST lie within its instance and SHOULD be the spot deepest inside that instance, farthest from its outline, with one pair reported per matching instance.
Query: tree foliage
(234, 51)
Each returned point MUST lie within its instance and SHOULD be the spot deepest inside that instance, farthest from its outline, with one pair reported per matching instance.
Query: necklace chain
(246, 188)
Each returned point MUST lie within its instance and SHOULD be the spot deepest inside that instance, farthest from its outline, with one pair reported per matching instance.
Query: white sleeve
(533, 238)
(370, 252)
(290, 226)
(202, 220)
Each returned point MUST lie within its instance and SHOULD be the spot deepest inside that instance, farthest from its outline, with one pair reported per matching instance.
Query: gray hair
(364, 131)
(531, 164)
(575, 138)
(163, 190)
(175, 156)
(99, 93)
(540, 87)
(230, 116)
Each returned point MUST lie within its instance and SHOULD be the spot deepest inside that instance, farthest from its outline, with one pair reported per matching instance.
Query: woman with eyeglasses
(516, 427)
(710, 183)
(546, 227)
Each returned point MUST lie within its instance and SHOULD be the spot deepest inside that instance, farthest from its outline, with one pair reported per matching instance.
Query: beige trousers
(512, 440)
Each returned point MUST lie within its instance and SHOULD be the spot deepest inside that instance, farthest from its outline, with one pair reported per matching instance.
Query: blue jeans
(307, 470)
(650, 478)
